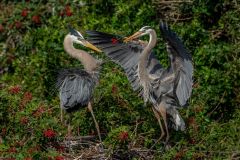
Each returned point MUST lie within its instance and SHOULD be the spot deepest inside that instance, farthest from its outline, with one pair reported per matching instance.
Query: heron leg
(69, 130)
(69, 125)
(96, 124)
(162, 110)
(157, 115)
(61, 114)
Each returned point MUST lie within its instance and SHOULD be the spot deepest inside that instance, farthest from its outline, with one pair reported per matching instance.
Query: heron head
(143, 31)
(78, 38)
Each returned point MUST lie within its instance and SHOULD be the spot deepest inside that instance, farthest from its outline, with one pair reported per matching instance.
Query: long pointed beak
(135, 35)
(91, 46)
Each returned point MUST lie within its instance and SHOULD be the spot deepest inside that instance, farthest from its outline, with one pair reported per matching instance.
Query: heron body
(76, 86)
(168, 89)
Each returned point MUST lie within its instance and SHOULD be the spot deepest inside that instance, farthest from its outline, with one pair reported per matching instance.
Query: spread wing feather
(182, 65)
(125, 54)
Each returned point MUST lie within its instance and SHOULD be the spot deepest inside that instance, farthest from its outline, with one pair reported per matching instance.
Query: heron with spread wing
(76, 85)
(168, 89)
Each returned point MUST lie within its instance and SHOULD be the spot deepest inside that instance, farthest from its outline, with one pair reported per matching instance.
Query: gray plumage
(181, 64)
(166, 88)
(124, 54)
(76, 88)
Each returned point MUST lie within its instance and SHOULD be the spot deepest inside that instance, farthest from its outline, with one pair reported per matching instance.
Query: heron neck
(88, 61)
(143, 73)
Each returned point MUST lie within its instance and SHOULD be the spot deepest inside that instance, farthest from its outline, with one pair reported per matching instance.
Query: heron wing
(183, 67)
(75, 87)
(125, 54)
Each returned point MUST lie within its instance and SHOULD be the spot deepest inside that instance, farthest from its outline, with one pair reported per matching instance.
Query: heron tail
(175, 120)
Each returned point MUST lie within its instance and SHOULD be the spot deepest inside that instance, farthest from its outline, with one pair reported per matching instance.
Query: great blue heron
(76, 85)
(168, 89)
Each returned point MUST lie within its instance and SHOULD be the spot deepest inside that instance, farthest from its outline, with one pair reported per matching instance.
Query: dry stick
(226, 152)
(135, 131)
(171, 2)
(68, 155)
(96, 124)
(215, 33)
(183, 19)
(80, 137)
(218, 103)
(78, 157)
(142, 156)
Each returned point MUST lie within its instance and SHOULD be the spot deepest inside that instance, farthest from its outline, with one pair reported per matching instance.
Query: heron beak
(91, 46)
(135, 35)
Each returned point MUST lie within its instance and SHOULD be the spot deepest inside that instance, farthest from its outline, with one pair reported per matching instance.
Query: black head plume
(74, 32)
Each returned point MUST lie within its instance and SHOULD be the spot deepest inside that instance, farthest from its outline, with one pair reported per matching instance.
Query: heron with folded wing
(76, 85)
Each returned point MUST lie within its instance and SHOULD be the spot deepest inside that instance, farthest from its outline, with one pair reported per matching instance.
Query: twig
(218, 103)
(168, 2)
(78, 157)
(80, 138)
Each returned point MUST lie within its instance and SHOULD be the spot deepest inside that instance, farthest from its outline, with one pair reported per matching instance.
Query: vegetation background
(31, 52)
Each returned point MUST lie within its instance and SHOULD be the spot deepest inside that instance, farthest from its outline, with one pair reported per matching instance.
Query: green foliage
(31, 53)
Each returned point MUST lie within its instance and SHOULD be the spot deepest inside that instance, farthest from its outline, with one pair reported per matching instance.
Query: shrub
(31, 37)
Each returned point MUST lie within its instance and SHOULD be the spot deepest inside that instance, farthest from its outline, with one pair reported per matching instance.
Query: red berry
(191, 121)
(68, 11)
(33, 149)
(39, 111)
(114, 89)
(27, 96)
(4, 131)
(12, 150)
(14, 89)
(60, 148)
(18, 24)
(24, 13)
(49, 133)
(24, 120)
(36, 19)
(123, 136)
(1, 28)
(179, 155)
(192, 141)
(59, 158)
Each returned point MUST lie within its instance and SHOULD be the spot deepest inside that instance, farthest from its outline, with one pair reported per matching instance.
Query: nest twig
(173, 10)
(86, 147)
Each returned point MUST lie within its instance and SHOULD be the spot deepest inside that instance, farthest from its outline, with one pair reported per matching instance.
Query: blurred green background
(31, 53)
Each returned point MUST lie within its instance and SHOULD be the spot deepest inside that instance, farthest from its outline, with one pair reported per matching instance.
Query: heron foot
(100, 148)
(69, 134)
(159, 139)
